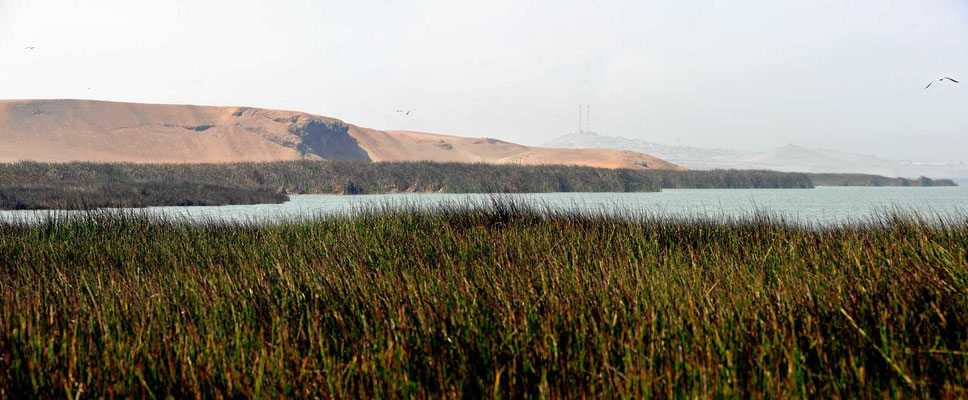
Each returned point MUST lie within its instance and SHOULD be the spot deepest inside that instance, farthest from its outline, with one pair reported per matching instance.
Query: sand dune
(84, 130)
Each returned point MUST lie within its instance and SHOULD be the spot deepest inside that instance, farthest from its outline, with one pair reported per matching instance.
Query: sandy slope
(66, 130)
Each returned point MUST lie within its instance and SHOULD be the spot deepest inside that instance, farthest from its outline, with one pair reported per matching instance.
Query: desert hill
(85, 130)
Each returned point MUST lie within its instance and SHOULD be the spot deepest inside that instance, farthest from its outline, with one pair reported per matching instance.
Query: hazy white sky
(736, 74)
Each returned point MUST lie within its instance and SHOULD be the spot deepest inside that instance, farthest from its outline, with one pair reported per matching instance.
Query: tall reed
(497, 300)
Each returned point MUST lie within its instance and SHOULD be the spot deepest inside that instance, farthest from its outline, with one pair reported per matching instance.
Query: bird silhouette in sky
(29, 48)
(405, 112)
(942, 79)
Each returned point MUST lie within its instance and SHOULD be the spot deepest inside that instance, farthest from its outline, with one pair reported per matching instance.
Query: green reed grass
(829, 179)
(75, 195)
(485, 301)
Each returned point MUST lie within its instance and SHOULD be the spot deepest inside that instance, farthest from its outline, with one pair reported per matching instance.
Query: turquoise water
(822, 205)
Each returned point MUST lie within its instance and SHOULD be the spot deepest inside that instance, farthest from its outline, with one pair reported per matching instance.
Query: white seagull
(29, 48)
(942, 79)
(407, 112)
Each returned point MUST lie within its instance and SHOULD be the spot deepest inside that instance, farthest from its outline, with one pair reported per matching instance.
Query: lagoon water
(819, 206)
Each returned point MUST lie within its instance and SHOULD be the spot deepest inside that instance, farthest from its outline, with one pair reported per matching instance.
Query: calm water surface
(823, 205)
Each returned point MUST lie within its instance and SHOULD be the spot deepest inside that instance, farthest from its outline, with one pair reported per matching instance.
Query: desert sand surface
(87, 130)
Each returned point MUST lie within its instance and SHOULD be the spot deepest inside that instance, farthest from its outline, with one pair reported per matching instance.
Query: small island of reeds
(32, 185)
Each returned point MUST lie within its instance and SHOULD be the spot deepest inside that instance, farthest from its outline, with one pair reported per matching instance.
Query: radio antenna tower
(579, 119)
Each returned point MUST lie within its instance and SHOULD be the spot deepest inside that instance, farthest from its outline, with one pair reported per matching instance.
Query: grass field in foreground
(493, 301)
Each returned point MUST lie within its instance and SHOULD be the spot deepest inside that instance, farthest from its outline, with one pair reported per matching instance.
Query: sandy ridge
(87, 130)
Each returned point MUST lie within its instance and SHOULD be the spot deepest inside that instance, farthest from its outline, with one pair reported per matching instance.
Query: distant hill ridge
(99, 131)
(788, 158)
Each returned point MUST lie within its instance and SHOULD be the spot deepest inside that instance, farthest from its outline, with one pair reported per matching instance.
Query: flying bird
(407, 112)
(942, 79)
(29, 48)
